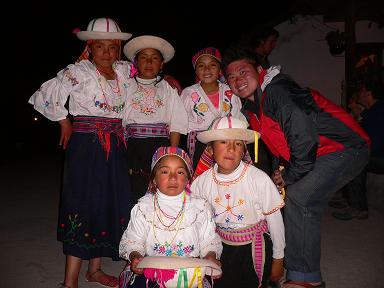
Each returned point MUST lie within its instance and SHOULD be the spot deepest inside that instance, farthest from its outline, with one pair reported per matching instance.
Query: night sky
(40, 42)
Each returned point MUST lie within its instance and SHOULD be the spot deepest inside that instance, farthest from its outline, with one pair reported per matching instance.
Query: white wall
(303, 53)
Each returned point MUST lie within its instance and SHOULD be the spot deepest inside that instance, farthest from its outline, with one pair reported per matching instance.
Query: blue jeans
(305, 204)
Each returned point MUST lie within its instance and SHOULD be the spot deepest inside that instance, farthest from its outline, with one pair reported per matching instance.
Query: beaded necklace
(177, 220)
(116, 90)
(230, 182)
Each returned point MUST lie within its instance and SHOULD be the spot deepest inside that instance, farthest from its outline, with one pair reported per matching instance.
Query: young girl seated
(246, 207)
(168, 221)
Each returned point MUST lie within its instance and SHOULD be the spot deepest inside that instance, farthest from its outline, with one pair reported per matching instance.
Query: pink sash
(251, 234)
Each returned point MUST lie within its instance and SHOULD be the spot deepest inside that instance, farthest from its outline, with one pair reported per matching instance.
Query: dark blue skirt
(96, 199)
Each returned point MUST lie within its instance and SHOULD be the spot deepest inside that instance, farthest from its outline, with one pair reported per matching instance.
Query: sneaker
(351, 213)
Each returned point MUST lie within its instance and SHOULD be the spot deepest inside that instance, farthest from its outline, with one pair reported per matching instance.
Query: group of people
(127, 187)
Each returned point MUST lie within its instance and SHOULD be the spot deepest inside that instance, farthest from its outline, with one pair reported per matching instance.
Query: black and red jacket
(299, 125)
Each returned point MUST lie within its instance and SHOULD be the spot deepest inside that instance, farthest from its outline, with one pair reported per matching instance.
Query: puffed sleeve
(210, 241)
(134, 236)
(51, 97)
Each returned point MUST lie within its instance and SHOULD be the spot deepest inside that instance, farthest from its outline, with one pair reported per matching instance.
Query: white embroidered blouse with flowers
(201, 111)
(153, 232)
(90, 93)
(155, 103)
(243, 198)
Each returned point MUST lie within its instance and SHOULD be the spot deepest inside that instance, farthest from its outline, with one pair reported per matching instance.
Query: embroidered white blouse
(243, 198)
(201, 111)
(150, 103)
(145, 233)
(90, 93)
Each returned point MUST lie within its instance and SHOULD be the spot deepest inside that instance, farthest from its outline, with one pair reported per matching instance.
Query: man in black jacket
(320, 144)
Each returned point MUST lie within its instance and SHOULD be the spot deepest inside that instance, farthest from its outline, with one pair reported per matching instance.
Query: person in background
(96, 194)
(169, 220)
(208, 99)
(372, 114)
(262, 41)
(246, 207)
(154, 114)
(321, 146)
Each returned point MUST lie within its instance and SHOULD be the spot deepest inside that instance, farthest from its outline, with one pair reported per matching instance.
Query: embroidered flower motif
(227, 219)
(70, 77)
(195, 97)
(240, 217)
(228, 93)
(45, 104)
(226, 107)
(146, 100)
(202, 107)
(174, 249)
(227, 196)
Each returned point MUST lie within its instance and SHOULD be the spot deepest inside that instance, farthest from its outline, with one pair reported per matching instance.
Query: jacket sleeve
(298, 129)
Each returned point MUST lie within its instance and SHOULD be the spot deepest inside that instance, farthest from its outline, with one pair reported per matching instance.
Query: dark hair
(255, 37)
(237, 52)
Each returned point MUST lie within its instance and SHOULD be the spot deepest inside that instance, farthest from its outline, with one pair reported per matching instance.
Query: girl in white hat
(96, 193)
(246, 207)
(155, 115)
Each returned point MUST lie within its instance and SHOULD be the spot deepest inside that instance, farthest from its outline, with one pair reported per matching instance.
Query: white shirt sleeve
(135, 235)
(52, 95)
(210, 241)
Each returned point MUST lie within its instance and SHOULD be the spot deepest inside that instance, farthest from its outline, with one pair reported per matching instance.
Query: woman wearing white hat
(155, 115)
(96, 195)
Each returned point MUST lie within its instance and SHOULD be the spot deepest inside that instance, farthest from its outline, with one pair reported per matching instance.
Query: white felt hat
(227, 128)
(103, 28)
(137, 44)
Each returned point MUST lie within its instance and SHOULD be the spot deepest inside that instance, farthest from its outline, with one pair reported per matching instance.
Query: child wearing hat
(155, 115)
(96, 186)
(208, 99)
(168, 220)
(246, 206)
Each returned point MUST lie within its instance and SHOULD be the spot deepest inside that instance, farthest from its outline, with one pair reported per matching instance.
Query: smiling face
(149, 63)
(243, 78)
(207, 69)
(171, 175)
(227, 154)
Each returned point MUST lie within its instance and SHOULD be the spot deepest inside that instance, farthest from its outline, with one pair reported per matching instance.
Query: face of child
(104, 52)
(207, 69)
(227, 154)
(171, 176)
(149, 63)
(243, 78)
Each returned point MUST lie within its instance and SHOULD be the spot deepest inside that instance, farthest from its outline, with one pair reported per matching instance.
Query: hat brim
(227, 134)
(164, 262)
(97, 35)
(143, 42)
